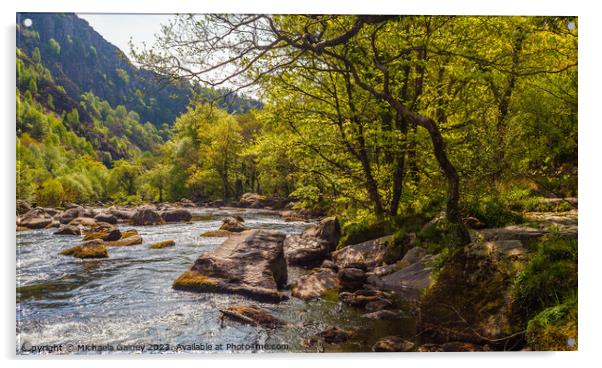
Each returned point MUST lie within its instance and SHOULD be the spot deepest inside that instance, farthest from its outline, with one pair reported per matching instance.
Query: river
(126, 300)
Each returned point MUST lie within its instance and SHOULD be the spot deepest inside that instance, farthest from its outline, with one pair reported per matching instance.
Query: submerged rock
(315, 284)
(90, 249)
(146, 216)
(393, 344)
(335, 334)
(314, 244)
(384, 314)
(216, 234)
(250, 263)
(252, 315)
(163, 244)
(68, 230)
(176, 215)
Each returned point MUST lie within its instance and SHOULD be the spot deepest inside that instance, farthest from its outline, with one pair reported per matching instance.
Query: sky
(119, 28)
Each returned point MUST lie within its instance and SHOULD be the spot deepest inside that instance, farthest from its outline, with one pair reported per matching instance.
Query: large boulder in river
(250, 263)
(176, 215)
(233, 224)
(370, 253)
(314, 244)
(146, 216)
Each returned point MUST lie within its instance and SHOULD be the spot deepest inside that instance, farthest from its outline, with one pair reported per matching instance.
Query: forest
(386, 122)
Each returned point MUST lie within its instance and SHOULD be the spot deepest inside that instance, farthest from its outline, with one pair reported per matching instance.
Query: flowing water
(126, 301)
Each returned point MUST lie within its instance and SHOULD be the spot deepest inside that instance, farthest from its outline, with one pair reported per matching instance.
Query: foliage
(555, 328)
(550, 278)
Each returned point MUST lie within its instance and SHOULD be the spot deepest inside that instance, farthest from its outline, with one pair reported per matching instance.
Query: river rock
(252, 315)
(253, 200)
(233, 224)
(384, 314)
(315, 285)
(409, 281)
(335, 334)
(106, 235)
(71, 213)
(185, 202)
(68, 230)
(128, 233)
(250, 263)
(292, 216)
(351, 279)
(36, 218)
(146, 216)
(126, 242)
(176, 215)
(314, 244)
(122, 214)
(379, 304)
(362, 297)
(106, 217)
(327, 263)
(22, 207)
(163, 244)
(412, 256)
(371, 253)
(90, 249)
(393, 344)
(83, 221)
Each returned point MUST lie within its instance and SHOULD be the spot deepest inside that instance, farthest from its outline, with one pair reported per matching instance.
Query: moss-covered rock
(472, 299)
(554, 328)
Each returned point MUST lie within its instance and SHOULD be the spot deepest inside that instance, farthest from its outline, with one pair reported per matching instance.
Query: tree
(123, 178)
(258, 45)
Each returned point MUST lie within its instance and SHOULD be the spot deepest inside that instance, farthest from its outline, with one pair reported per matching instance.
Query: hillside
(81, 60)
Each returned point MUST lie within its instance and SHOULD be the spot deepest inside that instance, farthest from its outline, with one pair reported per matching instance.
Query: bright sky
(119, 28)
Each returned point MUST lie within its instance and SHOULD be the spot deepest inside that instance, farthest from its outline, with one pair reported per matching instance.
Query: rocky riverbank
(461, 302)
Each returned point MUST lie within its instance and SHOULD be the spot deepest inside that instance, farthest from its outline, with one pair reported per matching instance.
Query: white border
(589, 174)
